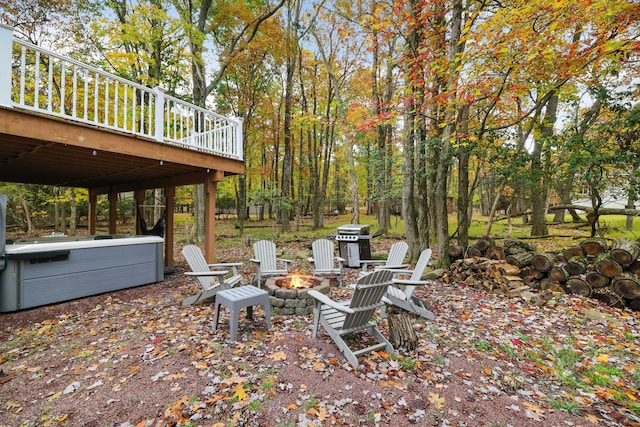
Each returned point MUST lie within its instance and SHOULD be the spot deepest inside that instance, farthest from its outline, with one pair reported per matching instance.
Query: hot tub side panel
(87, 271)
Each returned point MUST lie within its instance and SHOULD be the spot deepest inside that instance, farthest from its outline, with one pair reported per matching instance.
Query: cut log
(401, 330)
(577, 285)
(543, 261)
(571, 252)
(520, 260)
(594, 247)
(596, 280)
(472, 251)
(607, 266)
(625, 251)
(577, 265)
(509, 269)
(513, 246)
(634, 304)
(495, 252)
(541, 299)
(559, 274)
(607, 296)
(627, 285)
(549, 285)
(634, 267)
(455, 252)
(484, 243)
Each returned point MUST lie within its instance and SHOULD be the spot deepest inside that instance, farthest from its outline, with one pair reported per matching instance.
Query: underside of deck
(43, 150)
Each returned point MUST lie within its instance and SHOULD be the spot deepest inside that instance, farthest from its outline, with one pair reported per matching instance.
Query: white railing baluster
(62, 86)
(50, 86)
(36, 91)
(74, 97)
(115, 104)
(23, 65)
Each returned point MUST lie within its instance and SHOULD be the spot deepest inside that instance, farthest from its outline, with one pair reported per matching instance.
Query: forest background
(423, 109)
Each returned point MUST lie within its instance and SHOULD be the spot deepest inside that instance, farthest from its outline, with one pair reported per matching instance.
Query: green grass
(571, 407)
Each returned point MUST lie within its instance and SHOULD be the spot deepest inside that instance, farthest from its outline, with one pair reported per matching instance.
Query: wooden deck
(68, 124)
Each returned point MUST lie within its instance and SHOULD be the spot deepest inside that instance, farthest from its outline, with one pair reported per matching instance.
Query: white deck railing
(35, 79)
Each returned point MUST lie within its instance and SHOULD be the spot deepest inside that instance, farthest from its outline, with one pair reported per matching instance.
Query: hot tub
(40, 271)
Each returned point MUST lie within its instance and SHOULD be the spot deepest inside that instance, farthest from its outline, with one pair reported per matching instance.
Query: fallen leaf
(591, 418)
(239, 392)
(436, 400)
(292, 407)
(603, 358)
(278, 356)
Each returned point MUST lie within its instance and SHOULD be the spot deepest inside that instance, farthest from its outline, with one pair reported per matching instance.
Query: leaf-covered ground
(137, 357)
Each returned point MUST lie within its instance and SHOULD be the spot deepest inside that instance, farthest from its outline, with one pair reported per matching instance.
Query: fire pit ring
(289, 300)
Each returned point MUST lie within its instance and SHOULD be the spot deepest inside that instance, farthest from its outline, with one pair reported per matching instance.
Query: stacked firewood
(592, 269)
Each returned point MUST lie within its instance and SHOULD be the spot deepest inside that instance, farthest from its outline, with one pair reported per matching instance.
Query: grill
(354, 243)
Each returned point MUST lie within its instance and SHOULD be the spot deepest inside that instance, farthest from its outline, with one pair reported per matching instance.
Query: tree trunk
(539, 171)
(25, 208)
(464, 211)
(494, 206)
(401, 330)
(409, 213)
(73, 212)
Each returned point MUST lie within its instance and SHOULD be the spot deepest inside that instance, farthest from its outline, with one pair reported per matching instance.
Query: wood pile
(593, 269)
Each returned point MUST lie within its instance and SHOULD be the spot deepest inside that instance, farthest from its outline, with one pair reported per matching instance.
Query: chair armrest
(340, 259)
(311, 260)
(257, 261)
(322, 298)
(367, 262)
(227, 264)
(410, 282)
(233, 265)
(207, 273)
(286, 261)
(394, 267)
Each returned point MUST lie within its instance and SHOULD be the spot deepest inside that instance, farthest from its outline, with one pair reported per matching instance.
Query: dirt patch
(137, 357)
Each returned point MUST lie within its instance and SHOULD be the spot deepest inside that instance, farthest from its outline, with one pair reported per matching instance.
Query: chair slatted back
(397, 253)
(323, 254)
(367, 297)
(416, 276)
(265, 251)
(198, 264)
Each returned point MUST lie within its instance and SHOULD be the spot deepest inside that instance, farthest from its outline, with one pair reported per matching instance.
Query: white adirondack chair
(353, 316)
(267, 261)
(212, 281)
(324, 261)
(394, 260)
(400, 293)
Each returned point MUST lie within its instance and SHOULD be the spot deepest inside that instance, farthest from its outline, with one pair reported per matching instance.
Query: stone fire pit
(286, 299)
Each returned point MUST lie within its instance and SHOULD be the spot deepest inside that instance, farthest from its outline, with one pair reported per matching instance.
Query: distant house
(611, 199)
